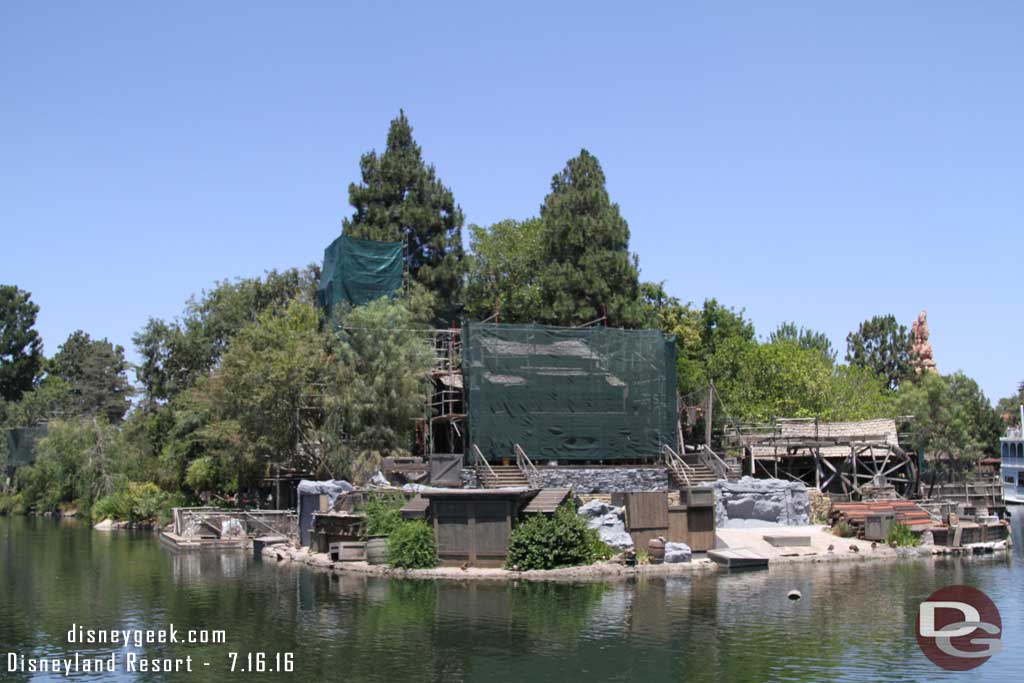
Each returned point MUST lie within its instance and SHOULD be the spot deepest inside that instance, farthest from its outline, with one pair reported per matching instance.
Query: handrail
(480, 458)
(715, 462)
(677, 464)
(526, 466)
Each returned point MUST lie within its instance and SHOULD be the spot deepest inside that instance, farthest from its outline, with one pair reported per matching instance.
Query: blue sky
(802, 160)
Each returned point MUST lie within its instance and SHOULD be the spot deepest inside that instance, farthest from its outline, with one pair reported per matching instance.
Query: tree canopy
(502, 271)
(96, 374)
(884, 346)
(586, 267)
(21, 349)
(401, 199)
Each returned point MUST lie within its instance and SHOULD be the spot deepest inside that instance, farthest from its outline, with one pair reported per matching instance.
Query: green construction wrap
(569, 394)
(359, 271)
(21, 444)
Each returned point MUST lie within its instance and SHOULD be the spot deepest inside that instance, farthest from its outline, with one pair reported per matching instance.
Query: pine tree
(402, 199)
(588, 268)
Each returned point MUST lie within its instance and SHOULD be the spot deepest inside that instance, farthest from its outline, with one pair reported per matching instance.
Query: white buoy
(794, 595)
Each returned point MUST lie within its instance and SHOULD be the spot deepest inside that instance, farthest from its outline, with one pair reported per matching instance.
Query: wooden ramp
(546, 501)
(738, 558)
(787, 540)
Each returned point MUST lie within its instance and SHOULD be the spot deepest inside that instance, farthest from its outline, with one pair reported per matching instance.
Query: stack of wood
(904, 512)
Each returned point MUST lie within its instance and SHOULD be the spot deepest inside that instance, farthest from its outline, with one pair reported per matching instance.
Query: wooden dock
(738, 558)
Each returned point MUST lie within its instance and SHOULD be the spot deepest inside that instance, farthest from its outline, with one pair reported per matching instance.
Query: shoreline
(613, 571)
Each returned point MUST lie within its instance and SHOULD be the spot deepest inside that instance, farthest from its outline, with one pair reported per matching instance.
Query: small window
(1008, 480)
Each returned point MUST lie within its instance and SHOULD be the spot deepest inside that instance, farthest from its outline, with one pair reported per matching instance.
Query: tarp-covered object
(309, 501)
(359, 271)
(21, 444)
(569, 393)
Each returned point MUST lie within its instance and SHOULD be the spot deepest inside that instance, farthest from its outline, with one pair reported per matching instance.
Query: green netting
(569, 394)
(359, 271)
(21, 444)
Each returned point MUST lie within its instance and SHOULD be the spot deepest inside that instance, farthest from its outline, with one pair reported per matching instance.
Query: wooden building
(472, 526)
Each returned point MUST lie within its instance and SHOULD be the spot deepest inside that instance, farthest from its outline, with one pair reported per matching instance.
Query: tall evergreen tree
(587, 265)
(402, 199)
(883, 346)
(96, 373)
(21, 349)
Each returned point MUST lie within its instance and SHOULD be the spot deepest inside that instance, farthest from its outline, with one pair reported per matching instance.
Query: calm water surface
(855, 622)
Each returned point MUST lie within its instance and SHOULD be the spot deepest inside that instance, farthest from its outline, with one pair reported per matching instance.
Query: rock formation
(921, 348)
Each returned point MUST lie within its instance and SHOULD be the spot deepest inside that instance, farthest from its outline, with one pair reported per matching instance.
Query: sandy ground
(749, 538)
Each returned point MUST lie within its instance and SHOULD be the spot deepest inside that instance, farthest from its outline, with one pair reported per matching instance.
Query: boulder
(105, 525)
(677, 552)
(595, 508)
(607, 519)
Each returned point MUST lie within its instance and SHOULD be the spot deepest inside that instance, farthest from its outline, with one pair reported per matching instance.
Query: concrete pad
(787, 540)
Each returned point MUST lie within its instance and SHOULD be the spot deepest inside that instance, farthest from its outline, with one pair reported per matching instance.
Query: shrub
(411, 546)
(383, 515)
(901, 535)
(541, 542)
(599, 549)
(139, 503)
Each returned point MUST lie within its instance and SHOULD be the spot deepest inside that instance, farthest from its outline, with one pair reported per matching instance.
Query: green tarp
(21, 445)
(569, 394)
(359, 271)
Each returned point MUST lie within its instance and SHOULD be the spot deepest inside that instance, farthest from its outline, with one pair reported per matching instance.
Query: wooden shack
(472, 526)
(646, 516)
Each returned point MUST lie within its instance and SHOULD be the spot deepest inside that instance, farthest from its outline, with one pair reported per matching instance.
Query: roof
(546, 501)
(796, 434)
(415, 508)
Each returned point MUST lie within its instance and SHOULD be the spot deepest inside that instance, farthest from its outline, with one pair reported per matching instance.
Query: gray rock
(765, 501)
(595, 508)
(677, 552)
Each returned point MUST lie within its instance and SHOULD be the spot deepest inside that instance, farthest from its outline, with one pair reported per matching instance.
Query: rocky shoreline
(614, 571)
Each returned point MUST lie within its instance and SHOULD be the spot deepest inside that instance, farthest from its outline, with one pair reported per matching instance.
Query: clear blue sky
(803, 160)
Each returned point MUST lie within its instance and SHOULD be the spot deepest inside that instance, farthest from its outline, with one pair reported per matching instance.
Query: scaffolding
(441, 429)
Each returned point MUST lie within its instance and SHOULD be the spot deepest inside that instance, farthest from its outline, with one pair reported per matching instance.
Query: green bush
(901, 535)
(411, 546)
(542, 542)
(383, 515)
(599, 549)
(141, 503)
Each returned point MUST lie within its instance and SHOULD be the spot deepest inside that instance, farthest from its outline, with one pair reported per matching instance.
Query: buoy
(794, 595)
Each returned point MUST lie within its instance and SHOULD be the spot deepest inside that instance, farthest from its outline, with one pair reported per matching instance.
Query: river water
(855, 622)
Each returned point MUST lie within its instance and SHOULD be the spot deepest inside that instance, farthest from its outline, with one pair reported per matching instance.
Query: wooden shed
(472, 525)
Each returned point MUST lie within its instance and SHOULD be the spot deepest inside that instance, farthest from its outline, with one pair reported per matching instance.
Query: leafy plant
(383, 515)
(901, 535)
(598, 548)
(541, 542)
(411, 546)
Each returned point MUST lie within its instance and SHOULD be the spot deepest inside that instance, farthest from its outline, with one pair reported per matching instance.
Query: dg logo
(959, 628)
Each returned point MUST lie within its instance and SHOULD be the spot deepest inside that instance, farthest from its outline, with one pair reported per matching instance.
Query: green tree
(1009, 408)
(380, 384)
(884, 346)
(258, 400)
(96, 373)
(21, 349)
(806, 338)
(587, 268)
(953, 422)
(402, 199)
(502, 270)
(175, 354)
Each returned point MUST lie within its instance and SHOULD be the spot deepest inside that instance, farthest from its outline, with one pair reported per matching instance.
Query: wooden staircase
(698, 474)
(502, 476)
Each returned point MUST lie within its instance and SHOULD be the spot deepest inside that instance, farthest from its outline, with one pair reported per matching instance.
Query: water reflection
(854, 623)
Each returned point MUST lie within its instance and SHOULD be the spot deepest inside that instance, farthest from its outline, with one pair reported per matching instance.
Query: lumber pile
(904, 512)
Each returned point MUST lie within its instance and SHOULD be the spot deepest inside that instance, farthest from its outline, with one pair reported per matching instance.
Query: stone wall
(584, 480)
(587, 480)
(751, 501)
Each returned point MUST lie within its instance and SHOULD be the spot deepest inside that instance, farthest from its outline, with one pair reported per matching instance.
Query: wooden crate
(647, 510)
(472, 527)
(699, 496)
(678, 529)
(348, 552)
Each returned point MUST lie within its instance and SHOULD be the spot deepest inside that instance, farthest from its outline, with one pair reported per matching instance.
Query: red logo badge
(959, 628)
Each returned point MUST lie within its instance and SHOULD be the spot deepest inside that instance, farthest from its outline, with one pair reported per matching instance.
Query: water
(855, 622)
